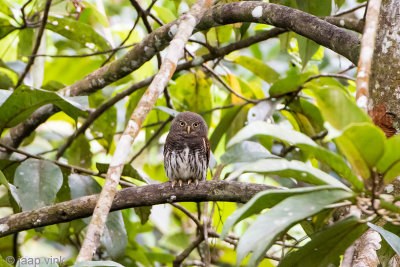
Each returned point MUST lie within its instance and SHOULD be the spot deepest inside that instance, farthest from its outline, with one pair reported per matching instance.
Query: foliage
(277, 121)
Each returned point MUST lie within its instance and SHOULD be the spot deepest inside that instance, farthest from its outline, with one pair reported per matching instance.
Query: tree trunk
(384, 107)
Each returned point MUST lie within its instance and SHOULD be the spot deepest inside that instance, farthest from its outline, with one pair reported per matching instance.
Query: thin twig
(181, 257)
(31, 60)
(24, 23)
(350, 10)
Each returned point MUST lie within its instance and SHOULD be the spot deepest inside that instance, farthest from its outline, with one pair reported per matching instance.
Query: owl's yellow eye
(182, 123)
(195, 124)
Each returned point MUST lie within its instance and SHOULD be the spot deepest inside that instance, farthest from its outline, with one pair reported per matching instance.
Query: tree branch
(147, 195)
(302, 23)
(187, 22)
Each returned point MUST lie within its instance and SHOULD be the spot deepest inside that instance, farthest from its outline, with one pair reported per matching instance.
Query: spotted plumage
(187, 149)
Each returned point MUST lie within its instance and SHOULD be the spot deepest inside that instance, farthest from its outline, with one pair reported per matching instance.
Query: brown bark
(131, 197)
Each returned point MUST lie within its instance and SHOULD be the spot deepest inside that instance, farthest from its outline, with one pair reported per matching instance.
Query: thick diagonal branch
(187, 22)
(147, 195)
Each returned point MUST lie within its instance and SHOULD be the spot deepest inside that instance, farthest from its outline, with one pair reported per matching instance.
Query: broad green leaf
(392, 239)
(79, 154)
(326, 247)
(128, 170)
(290, 83)
(91, 14)
(37, 183)
(5, 27)
(357, 145)
(114, 238)
(245, 151)
(164, 14)
(78, 31)
(338, 109)
(386, 252)
(8, 78)
(390, 161)
(3, 180)
(5, 9)
(132, 103)
(25, 44)
(290, 169)
(259, 238)
(260, 69)
(305, 143)
(24, 101)
(219, 35)
(307, 49)
(264, 200)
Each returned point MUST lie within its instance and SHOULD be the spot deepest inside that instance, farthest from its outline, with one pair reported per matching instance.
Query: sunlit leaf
(355, 143)
(260, 69)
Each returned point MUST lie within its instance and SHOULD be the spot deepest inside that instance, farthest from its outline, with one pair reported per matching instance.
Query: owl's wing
(207, 148)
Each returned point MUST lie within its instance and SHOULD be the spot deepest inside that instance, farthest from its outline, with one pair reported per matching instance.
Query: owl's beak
(188, 129)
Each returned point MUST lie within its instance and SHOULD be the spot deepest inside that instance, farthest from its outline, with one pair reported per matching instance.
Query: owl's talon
(173, 184)
(180, 183)
(196, 181)
(189, 181)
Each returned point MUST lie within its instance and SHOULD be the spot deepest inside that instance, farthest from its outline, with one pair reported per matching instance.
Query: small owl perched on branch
(187, 149)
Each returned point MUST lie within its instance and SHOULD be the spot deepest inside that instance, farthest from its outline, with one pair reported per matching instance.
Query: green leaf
(8, 78)
(25, 44)
(290, 169)
(392, 239)
(338, 109)
(3, 180)
(290, 83)
(264, 200)
(260, 69)
(164, 14)
(77, 31)
(259, 238)
(326, 246)
(305, 143)
(356, 145)
(5, 27)
(128, 170)
(79, 154)
(224, 124)
(37, 183)
(24, 101)
(390, 161)
(245, 151)
(317, 8)
(5, 8)
(143, 213)
(307, 49)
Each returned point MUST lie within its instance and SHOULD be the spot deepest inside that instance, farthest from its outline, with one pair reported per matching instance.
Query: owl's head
(189, 124)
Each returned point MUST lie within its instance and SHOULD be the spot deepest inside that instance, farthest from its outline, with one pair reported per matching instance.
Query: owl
(187, 149)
